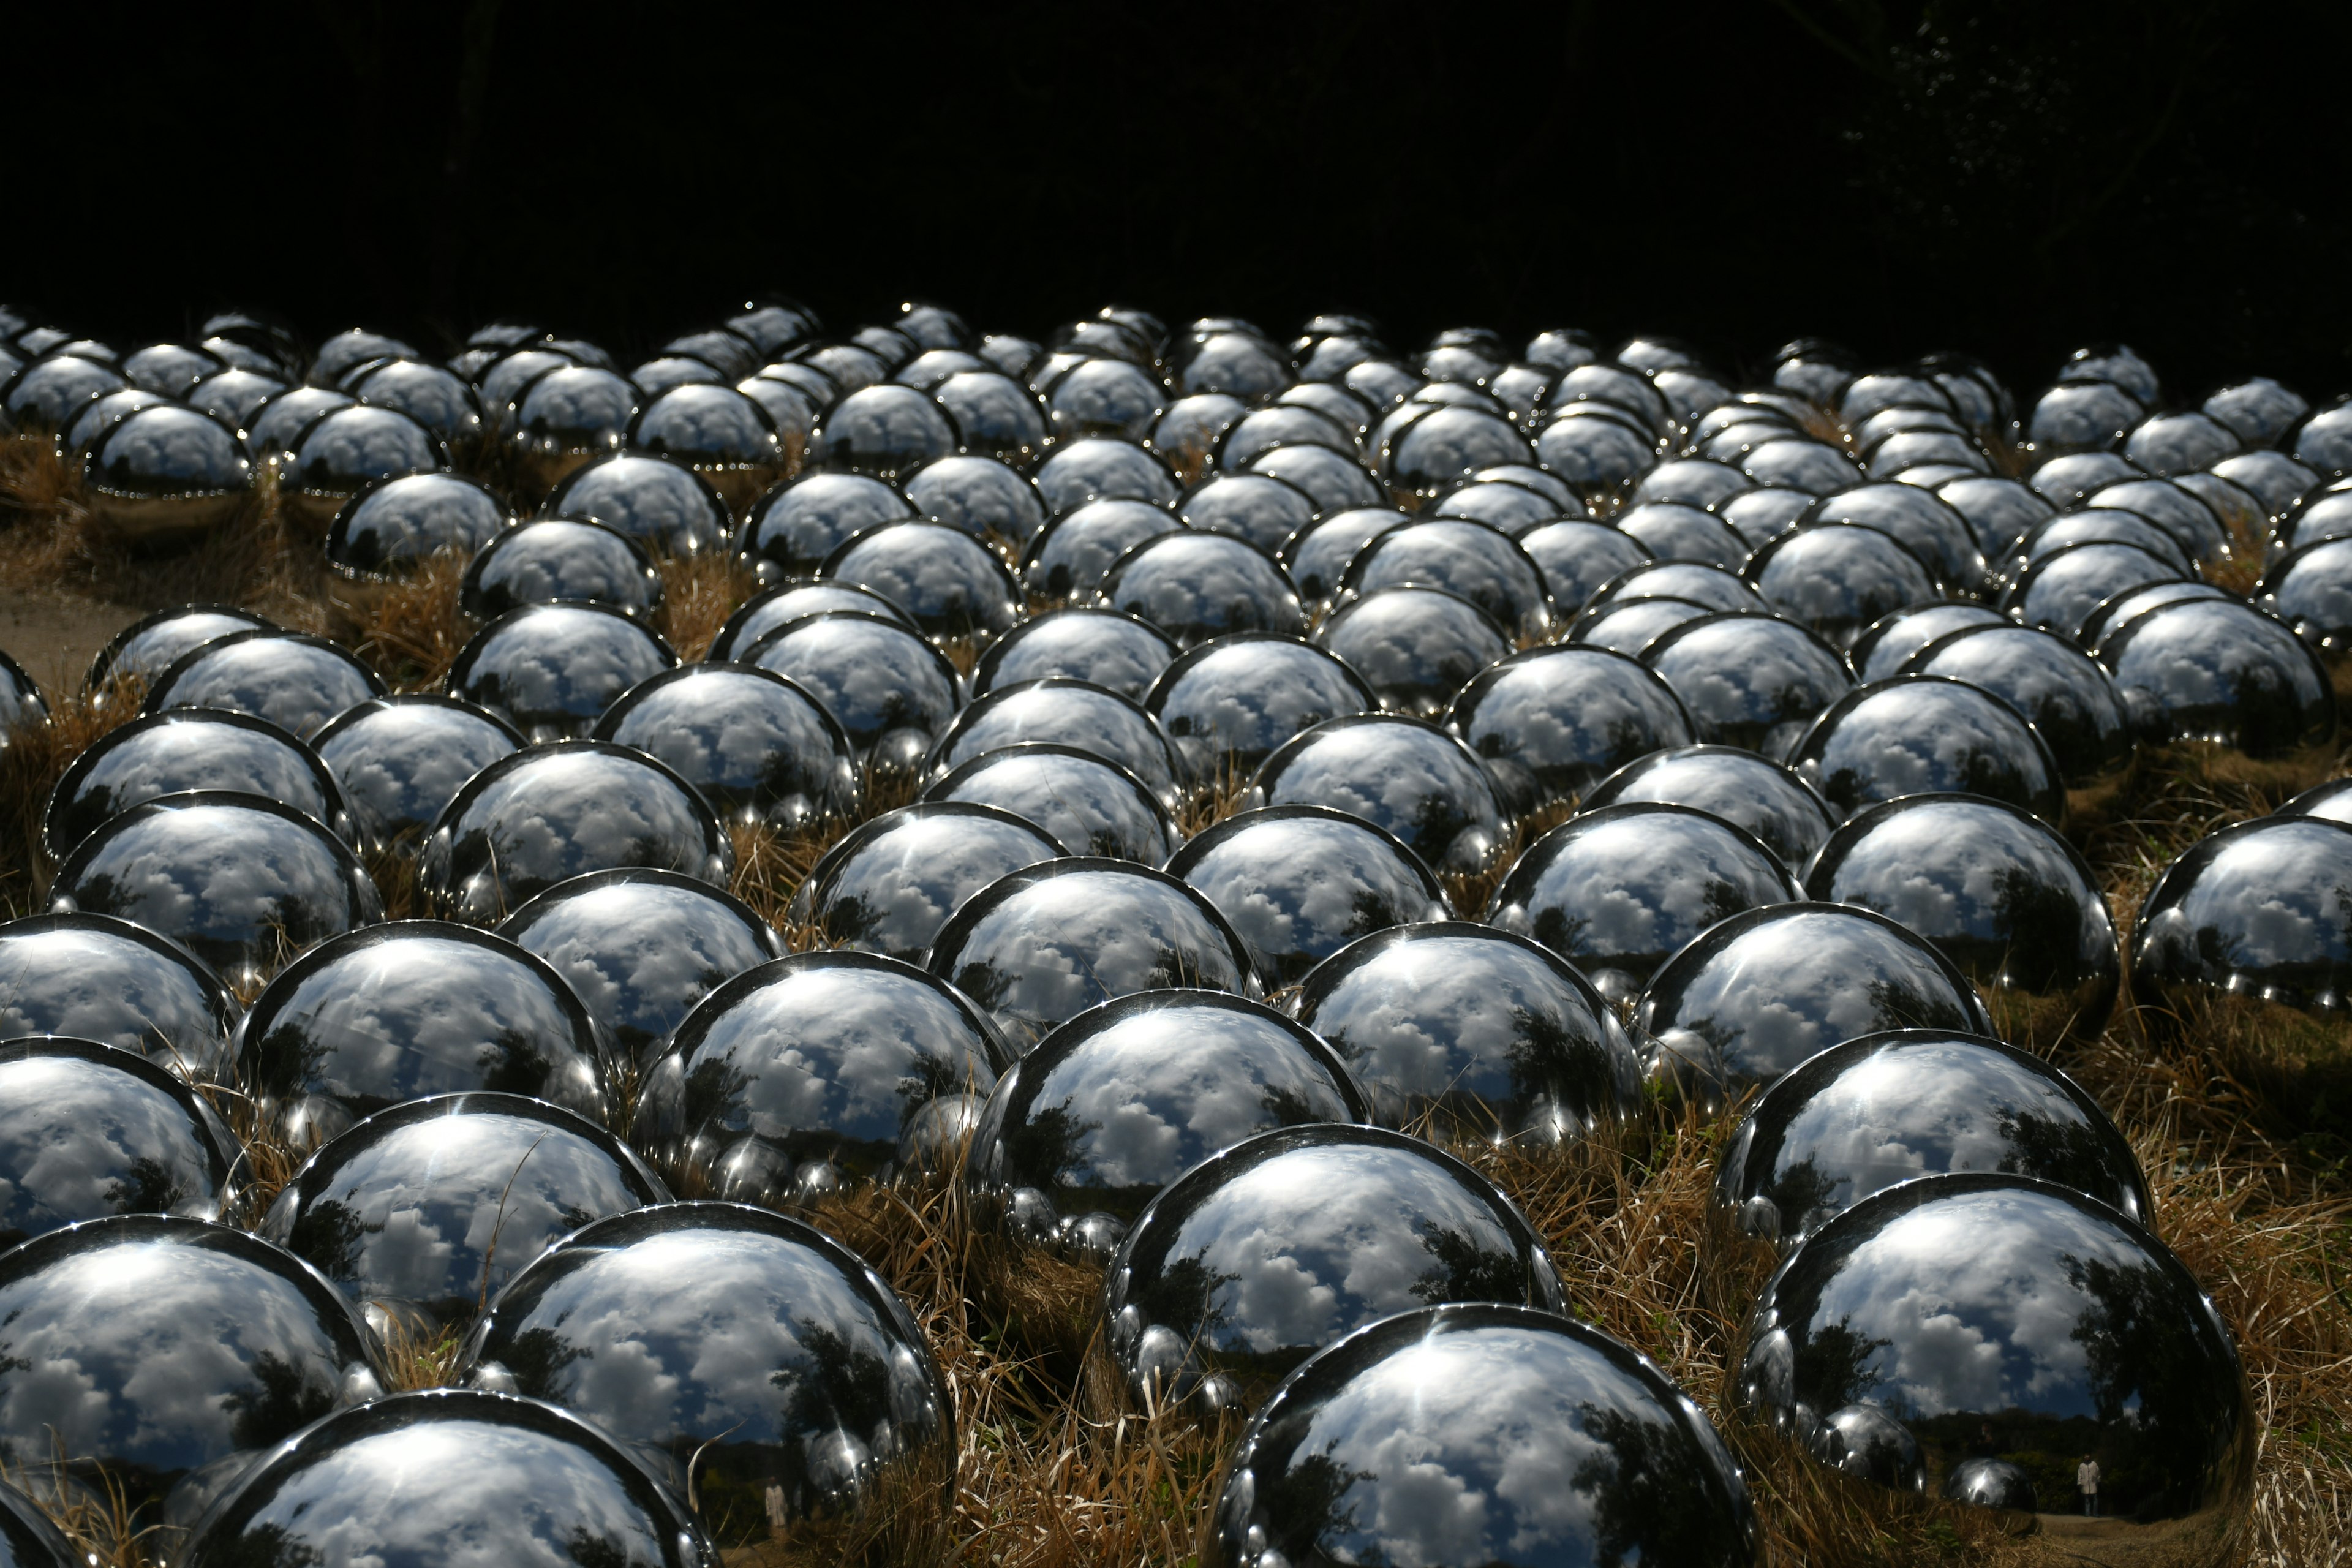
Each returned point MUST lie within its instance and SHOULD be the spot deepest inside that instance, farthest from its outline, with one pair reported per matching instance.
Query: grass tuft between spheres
(1057, 1469)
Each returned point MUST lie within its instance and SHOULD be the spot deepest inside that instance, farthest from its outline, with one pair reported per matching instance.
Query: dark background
(2012, 178)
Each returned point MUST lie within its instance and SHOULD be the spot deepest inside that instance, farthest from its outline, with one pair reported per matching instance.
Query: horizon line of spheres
(1589, 733)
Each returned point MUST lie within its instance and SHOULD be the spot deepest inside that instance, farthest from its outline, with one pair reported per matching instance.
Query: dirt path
(55, 636)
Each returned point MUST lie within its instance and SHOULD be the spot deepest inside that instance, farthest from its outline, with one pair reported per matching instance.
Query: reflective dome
(94, 977)
(770, 609)
(2224, 673)
(2311, 590)
(1468, 1404)
(550, 669)
(1894, 636)
(1084, 801)
(548, 813)
(1762, 991)
(1618, 890)
(1256, 507)
(750, 1327)
(1469, 560)
(1299, 882)
(427, 1209)
(1065, 713)
(2059, 592)
(1069, 559)
(399, 760)
(665, 506)
(979, 495)
(1837, 578)
(559, 559)
(2000, 511)
(294, 681)
(89, 1129)
(1673, 531)
(1040, 946)
(1195, 586)
(2081, 415)
(1694, 581)
(757, 748)
(2258, 411)
(1227, 704)
(47, 394)
(1781, 809)
(1334, 478)
(884, 430)
(719, 432)
(888, 689)
(641, 947)
(402, 1010)
(2245, 929)
(947, 583)
(1356, 1223)
(391, 529)
(794, 527)
(1405, 777)
(994, 415)
(441, 1474)
(1102, 396)
(1440, 447)
(2011, 904)
(1473, 1035)
(166, 471)
(1912, 734)
(344, 450)
(815, 1070)
(241, 881)
(1317, 556)
(1415, 648)
(1097, 468)
(1747, 680)
(2094, 1340)
(2071, 701)
(1918, 520)
(1888, 1108)
(1101, 647)
(436, 398)
(1503, 505)
(2177, 443)
(250, 1343)
(891, 885)
(1549, 723)
(189, 749)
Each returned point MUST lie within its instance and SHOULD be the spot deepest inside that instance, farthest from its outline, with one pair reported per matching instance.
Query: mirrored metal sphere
(1670, 531)
(189, 749)
(1914, 734)
(1097, 468)
(1415, 648)
(1405, 777)
(166, 472)
(772, 607)
(2081, 415)
(816, 1070)
(891, 885)
(1070, 558)
(243, 882)
(344, 450)
(1195, 586)
(2258, 411)
(2101, 525)
(982, 496)
(772, 1356)
(2060, 592)
(1839, 577)
(400, 759)
(2185, 517)
(1888, 641)
(1041, 945)
(665, 506)
(1762, 991)
(251, 1343)
(1358, 1223)
(890, 691)
(1334, 478)
(994, 415)
(94, 977)
(409, 1008)
(1629, 625)
(2089, 1341)
(551, 670)
(1469, 560)
(1759, 796)
(296, 681)
(1109, 649)
(1105, 396)
(1549, 723)
(640, 948)
(436, 398)
(392, 529)
(444, 1473)
(2224, 673)
(28, 1537)
(1694, 581)
(2011, 904)
(1227, 704)
(1618, 890)
(1917, 520)
(89, 1129)
(151, 645)
(2069, 699)
(791, 531)
(559, 559)
(758, 749)
(947, 583)
(1472, 1033)
(1747, 680)
(2244, 932)
(1256, 507)
(2118, 610)
(1416, 1439)
(1084, 801)
(1064, 712)
(425, 1211)
(726, 437)
(1300, 882)
(548, 813)
(1998, 511)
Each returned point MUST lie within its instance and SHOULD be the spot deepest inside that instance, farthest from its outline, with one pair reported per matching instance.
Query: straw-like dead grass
(1055, 1469)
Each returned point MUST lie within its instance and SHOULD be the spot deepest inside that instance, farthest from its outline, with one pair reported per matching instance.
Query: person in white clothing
(774, 1498)
(2086, 1481)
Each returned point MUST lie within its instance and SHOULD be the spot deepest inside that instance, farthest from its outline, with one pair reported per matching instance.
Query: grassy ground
(1055, 1471)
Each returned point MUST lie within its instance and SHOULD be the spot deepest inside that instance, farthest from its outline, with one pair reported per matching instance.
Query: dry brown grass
(411, 631)
(698, 592)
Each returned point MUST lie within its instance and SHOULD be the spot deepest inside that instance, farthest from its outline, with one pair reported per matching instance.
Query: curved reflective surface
(1119, 652)
(1195, 586)
(2059, 592)
(1229, 703)
(166, 471)
(1837, 578)
(551, 670)
(560, 558)
(2011, 904)
(394, 527)
(1097, 468)
(2071, 701)
(1760, 796)
(1886, 642)
(400, 759)
(427, 1209)
(770, 1356)
(2089, 1341)
(1470, 560)
(1469, 1403)
(779, 607)
(89, 1129)
(1041, 945)
(1753, 681)
(297, 682)
(2224, 673)
(94, 977)
(892, 883)
(795, 526)
(888, 689)
(640, 948)
(947, 583)
(1618, 890)
(1474, 1034)
(1549, 723)
(188, 749)
(1069, 559)
(344, 450)
(151, 645)
(548, 813)
(1914, 734)
(241, 881)
(982, 496)
(1356, 1223)
(444, 1473)
(1317, 556)
(1254, 507)
(665, 506)
(1415, 648)
(1404, 777)
(1064, 712)
(757, 748)
(1760, 992)
(1084, 801)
